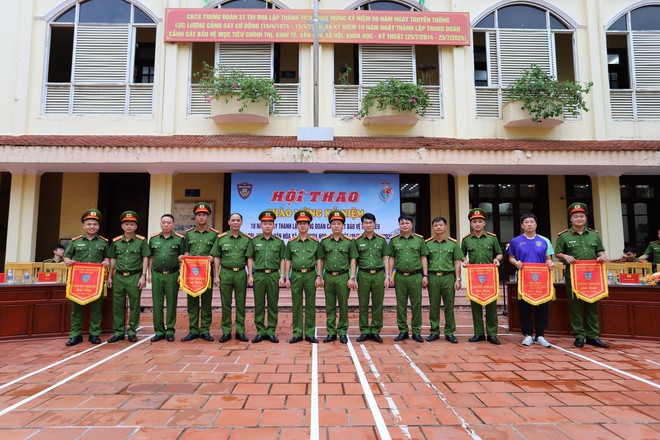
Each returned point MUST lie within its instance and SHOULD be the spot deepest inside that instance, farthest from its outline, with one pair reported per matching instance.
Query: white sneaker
(528, 340)
(541, 341)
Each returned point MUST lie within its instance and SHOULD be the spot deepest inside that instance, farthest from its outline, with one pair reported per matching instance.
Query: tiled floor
(237, 390)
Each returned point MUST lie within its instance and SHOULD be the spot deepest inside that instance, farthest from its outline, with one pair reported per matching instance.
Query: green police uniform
(371, 281)
(165, 253)
(85, 250)
(200, 243)
(232, 253)
(442, 277)
(653, 251)
(127, 255)
(303, 255)
(407, 254)
(482, 250)
(337, 255)
(585, 246)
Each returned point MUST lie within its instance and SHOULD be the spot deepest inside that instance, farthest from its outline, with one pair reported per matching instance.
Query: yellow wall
(80, 192)
(557, 203)
(439, 196)
(211, 186)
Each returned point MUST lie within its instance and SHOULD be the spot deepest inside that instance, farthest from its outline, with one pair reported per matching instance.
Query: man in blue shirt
(529, 247)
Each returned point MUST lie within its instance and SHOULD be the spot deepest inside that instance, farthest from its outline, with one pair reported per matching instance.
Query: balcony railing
(98, 99)
(288, 105)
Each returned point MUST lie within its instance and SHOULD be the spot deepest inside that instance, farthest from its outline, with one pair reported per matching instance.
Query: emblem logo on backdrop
(244, 189)
(386, 193)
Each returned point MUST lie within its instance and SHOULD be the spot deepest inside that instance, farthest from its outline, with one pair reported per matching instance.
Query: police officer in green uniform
(303, 266)
(481, 247)
(199, 242)
(129, 261)
(339, 254)
(266, 273)
(445, 258)
(58, 254)
(653, 252)
(580, 243)
(408, 257)
(230, 259)
(166, 248)
(372, 278)
(87, 248)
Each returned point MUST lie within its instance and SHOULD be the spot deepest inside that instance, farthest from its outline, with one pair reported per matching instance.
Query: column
(160, 199)
(462, 196)
(557, 205)
(439, 184)
(606, 195)
(23, 213)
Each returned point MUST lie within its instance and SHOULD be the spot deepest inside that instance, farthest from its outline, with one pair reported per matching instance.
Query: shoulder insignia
(190, 229)
(420, 236)
(221, 235)
(326, 236)
(179, 235)
(101, 237)
(490, 233)
(394, 236)
(347, 237)
(140, 237)
(215, 230)
(429, 239)
(76, 238)
(380, 235)
(313, 238)
(561, 232)
(466, 235)
(247, 235)
(452, 239)
(154, 234)
(117, 238)
(593, 230)
(276, 236)
(656, 242)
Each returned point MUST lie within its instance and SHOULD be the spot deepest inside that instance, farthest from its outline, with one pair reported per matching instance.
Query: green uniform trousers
(266, 296)
(441, 290)
(587, 327)
(164, 289)
(122, 288)
(236, 282)
(194, 325)
(478, 318)
(409, 287)
(303, 284)
(336, 294)
(371, 284)
(95, 316)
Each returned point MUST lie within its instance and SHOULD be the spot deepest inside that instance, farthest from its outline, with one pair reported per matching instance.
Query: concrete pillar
(557, 205)
(439, 184)
(462, 196)
(160, 199)
(23, 214)
(607, 213)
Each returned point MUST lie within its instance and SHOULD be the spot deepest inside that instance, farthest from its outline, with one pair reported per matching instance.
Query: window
(639, 207)
(511, 39)
(633, 59)
(415, 201)
(101, 60)
(578, 189)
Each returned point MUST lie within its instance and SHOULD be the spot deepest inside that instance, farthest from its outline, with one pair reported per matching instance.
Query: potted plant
(236, 96)
(394, 102)
(543, 98)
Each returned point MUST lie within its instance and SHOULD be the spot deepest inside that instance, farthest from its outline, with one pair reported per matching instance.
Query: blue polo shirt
(531, 250)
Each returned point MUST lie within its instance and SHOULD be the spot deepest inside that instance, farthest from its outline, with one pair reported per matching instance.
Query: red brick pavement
(251, 391)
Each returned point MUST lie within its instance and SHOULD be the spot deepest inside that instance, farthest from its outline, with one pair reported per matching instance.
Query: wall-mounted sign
(293, 26)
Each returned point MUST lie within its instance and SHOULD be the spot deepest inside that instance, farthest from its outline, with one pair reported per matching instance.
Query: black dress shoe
(74, 341)
(579, 342)
(207, 337)
(312, 339)
(190, 337)
(157, 338)
(343, 339)
(116, 338)
(132, 338)
(363, 337)
(330, 338)
(94, 339)
(169, 338)
(452, 339)
(273, 339)
(258, 339)
(597, 343)
(476, 338)
(377, 338)
(417, 338)
(493, 340)
(432, 337)
(401, 337)
(225, 338)
(242, 337)
(295, 339)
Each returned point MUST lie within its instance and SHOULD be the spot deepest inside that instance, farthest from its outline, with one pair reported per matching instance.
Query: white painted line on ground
(637, 357)
(369, 395)
(632, 376)
(314, 408)
(388, 396)
(73, 376)
(438, 393)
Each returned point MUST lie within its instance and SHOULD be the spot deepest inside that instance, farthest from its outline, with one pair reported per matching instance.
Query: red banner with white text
(588, 280)
(85, 282)
(535, 284)
(195, 275)
(483, 283)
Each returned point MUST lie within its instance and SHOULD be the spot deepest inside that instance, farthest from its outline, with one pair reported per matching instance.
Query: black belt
(266, 270)
(303, 270)
(128, 273)
(234, 269)
(165, 272)
(372, 271)
(441, 274)
(337, 273)
(408, 274)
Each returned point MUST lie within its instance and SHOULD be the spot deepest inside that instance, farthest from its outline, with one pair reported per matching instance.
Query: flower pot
(390, 116)
(514, 116)
(232, 112)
